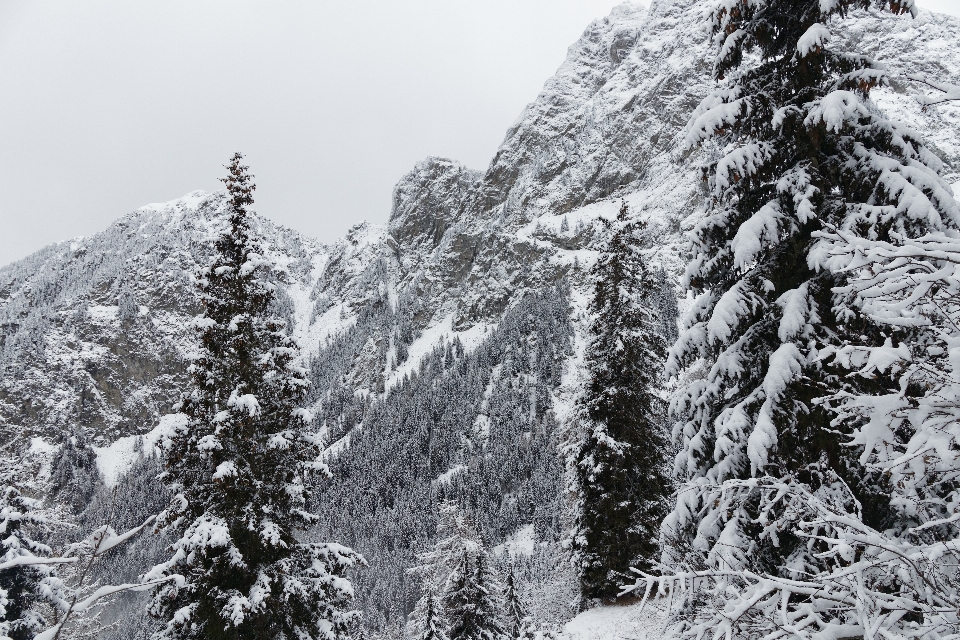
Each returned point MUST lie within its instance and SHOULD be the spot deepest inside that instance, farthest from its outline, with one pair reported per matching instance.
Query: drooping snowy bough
(945, 92)
(816, 449)
(35, 600)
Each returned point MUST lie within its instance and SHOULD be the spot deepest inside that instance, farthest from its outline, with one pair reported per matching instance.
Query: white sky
(106, 105)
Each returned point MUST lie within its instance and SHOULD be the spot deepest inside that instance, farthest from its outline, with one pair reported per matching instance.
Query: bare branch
(950, 91)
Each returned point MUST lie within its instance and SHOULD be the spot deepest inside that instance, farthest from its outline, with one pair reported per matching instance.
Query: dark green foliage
(472, 600)
(74, 475)
(621, 469)
(238, 461)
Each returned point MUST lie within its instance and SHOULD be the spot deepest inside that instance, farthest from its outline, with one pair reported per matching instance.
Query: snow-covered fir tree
(24, 574)
(778, 500)
(518, 623)
(238, 462)
(455, 535)
(907, 434)
(127, 307)
(472, 600)
(457, 571)
(432, 624)
(622, 474)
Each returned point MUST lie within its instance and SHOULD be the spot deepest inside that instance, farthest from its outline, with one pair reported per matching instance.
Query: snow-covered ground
(522, 542)
(627, 621)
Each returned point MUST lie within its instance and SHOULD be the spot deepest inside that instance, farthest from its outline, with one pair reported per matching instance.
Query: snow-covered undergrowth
(630, 620)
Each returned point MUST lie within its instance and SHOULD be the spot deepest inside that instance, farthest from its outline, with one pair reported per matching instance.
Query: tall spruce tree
(621, 470)
(473, 600)
(519, 624)
(802, 152)
(238, 462)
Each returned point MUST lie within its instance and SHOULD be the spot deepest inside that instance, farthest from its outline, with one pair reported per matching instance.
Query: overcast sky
(106, 105)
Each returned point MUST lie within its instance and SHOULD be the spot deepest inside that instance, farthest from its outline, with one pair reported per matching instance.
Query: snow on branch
(78, 600)
(875, 585)
(948, 92)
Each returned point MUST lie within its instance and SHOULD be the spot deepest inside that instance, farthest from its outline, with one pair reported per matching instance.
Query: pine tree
(238, 463)
(432, 625)
(456, 569)
(768, 477)
(518, 621)
(621, 469)
(455, 535)
(472, 603)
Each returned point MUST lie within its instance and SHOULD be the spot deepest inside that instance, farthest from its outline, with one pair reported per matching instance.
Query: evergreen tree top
(239, 182)
(783, 31)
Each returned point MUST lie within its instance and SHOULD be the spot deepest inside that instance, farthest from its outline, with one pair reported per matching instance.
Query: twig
(950, 91)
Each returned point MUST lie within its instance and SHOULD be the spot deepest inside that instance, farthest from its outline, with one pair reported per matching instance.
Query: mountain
(445, 348)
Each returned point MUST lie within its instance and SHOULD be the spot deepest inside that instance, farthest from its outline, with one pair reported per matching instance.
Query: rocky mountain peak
(429, 200)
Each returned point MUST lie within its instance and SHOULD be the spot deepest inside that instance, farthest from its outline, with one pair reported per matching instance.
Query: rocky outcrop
(428, 202)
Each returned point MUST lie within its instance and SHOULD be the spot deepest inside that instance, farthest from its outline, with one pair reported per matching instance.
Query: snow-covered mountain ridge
(609, 124)
(95, 333)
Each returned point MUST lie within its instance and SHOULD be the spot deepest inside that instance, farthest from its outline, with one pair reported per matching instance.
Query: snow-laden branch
(876, 584)
(88, 603)
(80, 600)
(948, 92)
(34, 561)
(871, 583)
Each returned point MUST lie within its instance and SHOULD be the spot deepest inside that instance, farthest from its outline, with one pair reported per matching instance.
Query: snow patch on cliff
(118, 457)
(438, 334)
(521, 542)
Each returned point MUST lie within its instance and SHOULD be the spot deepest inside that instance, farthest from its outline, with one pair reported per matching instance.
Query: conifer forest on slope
(691, 337)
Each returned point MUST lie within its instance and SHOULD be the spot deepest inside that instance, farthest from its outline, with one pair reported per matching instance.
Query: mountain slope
(444, 347)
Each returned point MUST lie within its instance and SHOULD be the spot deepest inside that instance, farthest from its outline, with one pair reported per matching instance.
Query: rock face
(96, 331)
(485, 269)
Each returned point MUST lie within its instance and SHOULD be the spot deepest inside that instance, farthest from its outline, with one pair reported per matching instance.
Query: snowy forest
(679, 364)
